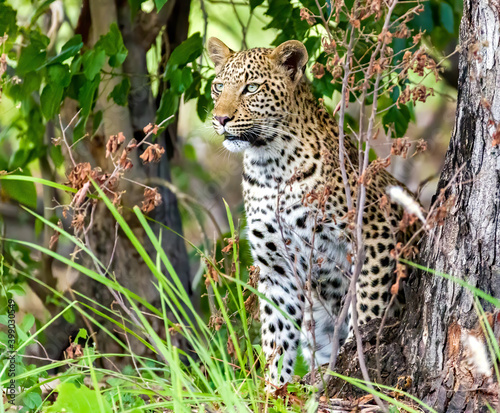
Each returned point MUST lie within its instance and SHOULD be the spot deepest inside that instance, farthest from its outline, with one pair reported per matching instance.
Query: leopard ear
(218, 52)
(292, 56)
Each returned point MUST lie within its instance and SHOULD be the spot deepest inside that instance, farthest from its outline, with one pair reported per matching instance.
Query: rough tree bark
(467, 246)
(431, 346)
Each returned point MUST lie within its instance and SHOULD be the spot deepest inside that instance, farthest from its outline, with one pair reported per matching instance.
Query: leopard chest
(286, 233)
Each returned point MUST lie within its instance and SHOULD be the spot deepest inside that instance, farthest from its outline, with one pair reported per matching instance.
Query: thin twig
(325, 22)
(345, 309)
(63, 131)
(205, 25)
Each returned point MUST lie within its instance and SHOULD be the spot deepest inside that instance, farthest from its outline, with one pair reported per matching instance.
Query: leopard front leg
(280, 328)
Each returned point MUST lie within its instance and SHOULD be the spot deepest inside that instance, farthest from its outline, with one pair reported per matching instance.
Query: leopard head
(254, 91)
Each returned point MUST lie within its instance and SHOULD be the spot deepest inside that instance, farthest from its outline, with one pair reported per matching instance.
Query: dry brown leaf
(152, 199)
(152, 153)
(124, 162)
(318, 70)
(228, 248)
(307, 16)
(78, 221)
(114, 142)
(79, 175)
(400, 147)
(147, 128)
(73, 351)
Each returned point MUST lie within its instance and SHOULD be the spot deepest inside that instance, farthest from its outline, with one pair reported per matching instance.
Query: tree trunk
(467, 245)
(437, 333)
(435, 344)
(127, 266)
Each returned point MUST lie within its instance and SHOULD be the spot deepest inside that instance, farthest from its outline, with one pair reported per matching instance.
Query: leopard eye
(218, 87)
(252, 88)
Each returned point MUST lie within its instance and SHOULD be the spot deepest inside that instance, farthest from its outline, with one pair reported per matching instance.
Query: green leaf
(255, 3)
(180, 80)
(40, 9)
(27, 323)
(112, 44)
(175, 80)
(120, 92)
(399, 117)
(21, 157)
(79, 129)
(31, 400)
(56, 155)
(312, 44)
(69, 316)
(118, 59)
(186, 52)
(76, 64)
(194, 88)
(26, 178)
(82, 333)
(50, 100)
(21, 191)
(8, 20)
(446, 17)
(189, 152)
(36, 130)
(58, 77)
(159, 4)
(424, 20)
(203, 107)
(86, 96)
(93, 61)
(168, 106)
(74, 399)
(59, 73)
(17, 289)
(31, 82)
(32, 58)
(205, 103)
(96, 121)
(70, 49)
(186, 78)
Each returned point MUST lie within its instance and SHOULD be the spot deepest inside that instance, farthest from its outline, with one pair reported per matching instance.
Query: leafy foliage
(438, 20)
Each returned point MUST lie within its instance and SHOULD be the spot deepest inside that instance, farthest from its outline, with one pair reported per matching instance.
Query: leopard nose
(223, 119)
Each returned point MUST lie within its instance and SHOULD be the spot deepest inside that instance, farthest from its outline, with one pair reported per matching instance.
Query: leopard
(299, 224)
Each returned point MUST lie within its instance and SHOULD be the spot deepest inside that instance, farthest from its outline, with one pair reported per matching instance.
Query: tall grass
(222, 369)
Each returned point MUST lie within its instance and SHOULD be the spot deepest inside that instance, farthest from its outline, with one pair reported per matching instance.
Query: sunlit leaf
(93, 61)
(7, 20)
(112, 44)
(78, 399)
(186, 52)
(20, 191)
(50, 99)
(70, 49)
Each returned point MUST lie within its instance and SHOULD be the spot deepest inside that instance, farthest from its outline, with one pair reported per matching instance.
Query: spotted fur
(264, 107)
